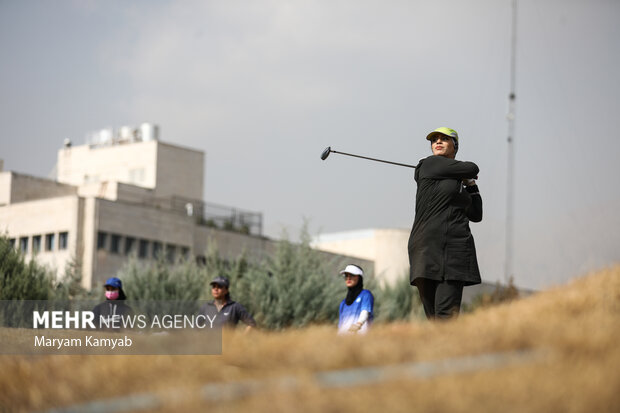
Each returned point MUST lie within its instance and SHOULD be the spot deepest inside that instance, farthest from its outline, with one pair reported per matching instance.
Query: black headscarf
(354, 291)
(121, 294)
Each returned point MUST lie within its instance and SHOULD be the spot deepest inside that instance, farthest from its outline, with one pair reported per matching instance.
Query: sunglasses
(442, 138)
(350, 276)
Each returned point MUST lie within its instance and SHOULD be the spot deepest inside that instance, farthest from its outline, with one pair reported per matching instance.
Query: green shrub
(398, 302)
(501, 294)
(70, 285)
(294, 288)
(20, 280)
(162, 281)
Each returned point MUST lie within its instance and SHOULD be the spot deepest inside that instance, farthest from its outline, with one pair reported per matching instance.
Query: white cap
(353, 269)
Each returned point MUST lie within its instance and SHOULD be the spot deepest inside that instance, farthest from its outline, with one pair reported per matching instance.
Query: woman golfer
(442, 254)
(356, 310)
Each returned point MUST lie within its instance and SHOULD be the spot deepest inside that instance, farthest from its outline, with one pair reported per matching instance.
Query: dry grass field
(570, 336)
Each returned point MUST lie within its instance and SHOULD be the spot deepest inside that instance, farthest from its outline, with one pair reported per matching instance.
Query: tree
(20, 280)
(398, 302)
(162, 281)
(295, 287)
(70, 286)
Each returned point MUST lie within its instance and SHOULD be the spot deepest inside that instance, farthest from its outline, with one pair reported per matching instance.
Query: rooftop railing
(219, 216)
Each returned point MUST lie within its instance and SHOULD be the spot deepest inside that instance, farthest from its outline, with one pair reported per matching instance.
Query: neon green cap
(444, 131)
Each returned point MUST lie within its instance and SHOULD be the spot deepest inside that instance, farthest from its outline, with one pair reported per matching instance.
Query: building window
(156, 249)
(23, 244)
(12, 242)
(115, 244)
(185, 253)
(170, 252)
(102, 240)
(49, 242)
(129, 245)
(36, 244)
(63, 240)
(143, 249)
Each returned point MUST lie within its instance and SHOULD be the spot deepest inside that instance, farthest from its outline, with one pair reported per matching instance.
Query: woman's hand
(355, 327)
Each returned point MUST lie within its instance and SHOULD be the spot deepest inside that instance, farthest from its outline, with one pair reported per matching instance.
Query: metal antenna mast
(508, 270)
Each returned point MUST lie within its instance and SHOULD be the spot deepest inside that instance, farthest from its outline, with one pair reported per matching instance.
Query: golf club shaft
(373, 159)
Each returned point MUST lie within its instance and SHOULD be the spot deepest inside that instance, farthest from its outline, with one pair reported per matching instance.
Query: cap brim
(433, 133)
(343, 273)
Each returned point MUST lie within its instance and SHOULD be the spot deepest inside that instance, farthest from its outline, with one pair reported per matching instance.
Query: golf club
(328, 150)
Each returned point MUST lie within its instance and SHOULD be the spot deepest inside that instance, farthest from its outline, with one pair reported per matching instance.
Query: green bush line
(295, 287)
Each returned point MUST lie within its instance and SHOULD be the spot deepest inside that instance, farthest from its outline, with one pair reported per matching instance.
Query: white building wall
(386, 247)
(392, 256)
(15, 187)
(5, 188)
(167, 169)
(116, 191)
(43, 217)
(87, 241)
(133, 163)
(180, 172)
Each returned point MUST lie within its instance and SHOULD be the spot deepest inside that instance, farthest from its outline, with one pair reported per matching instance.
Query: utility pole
(512, 97)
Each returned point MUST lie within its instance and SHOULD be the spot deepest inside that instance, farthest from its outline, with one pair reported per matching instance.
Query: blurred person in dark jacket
(442, 254)
(227, 312)
(114, 307)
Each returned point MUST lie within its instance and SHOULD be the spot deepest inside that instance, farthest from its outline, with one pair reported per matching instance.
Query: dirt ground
(571, 333)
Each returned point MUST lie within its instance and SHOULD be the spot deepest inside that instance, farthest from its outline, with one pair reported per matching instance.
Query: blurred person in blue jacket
(356, 310)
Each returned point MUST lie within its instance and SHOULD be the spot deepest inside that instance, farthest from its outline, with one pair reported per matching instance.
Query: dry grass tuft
(575, 325)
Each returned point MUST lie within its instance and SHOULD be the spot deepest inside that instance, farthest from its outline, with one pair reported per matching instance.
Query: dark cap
(221, 281)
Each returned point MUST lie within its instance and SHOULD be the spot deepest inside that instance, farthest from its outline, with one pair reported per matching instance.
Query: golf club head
(326, 152)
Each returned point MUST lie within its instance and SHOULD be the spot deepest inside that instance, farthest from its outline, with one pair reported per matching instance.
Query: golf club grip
(374, 159)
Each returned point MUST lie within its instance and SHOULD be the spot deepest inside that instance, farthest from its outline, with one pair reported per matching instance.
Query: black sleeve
(474, 212)
(243, 315)
(440, 167)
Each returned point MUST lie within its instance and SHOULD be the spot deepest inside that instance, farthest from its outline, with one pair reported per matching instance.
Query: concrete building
(120, 194)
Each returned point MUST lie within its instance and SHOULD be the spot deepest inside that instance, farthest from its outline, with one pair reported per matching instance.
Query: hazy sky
(263, 86)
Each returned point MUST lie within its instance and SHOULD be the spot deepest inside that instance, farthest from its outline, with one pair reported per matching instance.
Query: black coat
(441, 246)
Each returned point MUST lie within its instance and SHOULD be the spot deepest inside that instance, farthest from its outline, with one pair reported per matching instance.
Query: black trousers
(441, 299)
